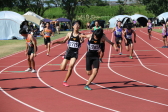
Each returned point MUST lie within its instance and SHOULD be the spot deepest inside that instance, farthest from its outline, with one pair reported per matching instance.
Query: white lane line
(153, 47)
(149, 68)
(152, 36)
(20, 101)
(38, 75)
(12, 66)
(115, 90)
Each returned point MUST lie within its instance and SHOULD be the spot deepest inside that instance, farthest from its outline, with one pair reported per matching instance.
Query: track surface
(122, 84)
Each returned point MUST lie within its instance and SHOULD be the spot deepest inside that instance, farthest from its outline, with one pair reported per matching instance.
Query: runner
(31, 49)
(118, 35)
(127, 36)
(164, 34)
(74, 41)
(92, 56)
(96, 26)
(149, 25)
(47, 32)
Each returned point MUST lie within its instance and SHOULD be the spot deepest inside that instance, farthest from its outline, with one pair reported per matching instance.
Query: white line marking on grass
(38, 75)
(20, 101)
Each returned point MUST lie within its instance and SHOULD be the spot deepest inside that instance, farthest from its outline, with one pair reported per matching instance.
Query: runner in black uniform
(92, 56)
(74, 41)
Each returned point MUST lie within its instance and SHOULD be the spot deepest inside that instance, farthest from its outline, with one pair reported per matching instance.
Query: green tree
(156, 6)
(71, 7)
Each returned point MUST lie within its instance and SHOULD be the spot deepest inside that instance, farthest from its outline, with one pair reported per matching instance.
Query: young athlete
(97, 26)
(127, 36)
(118, 35)
(92, 56)
(31, 49)
(149, 25)
(164, 34)
(71, 55)
(47, 32)
(134, 24)
(102, 42)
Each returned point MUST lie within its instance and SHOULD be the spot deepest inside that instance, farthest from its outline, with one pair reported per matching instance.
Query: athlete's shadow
(118, 61)
(124, 82)
(17, 78)
(29, 87)
(52, 70)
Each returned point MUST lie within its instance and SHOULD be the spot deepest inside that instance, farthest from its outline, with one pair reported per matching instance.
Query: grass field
(157, 30)
(9, 47)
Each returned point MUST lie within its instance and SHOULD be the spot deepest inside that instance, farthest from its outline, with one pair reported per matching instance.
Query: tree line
(71, 7)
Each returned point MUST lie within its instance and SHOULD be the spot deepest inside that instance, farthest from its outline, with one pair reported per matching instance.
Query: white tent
(142, 20)
(122, 18)
(33, 14)
(10, 25)
(163, 16)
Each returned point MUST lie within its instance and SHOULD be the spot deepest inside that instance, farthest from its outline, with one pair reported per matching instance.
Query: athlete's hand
(34, 54)
(26, 53)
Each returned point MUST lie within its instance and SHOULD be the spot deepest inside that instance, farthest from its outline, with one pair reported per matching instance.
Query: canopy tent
(63, 20)
(163, 16)
(141, 19)
(10, 25)
(123, 18)
(33, 14)
(46, 20)
(32, 19)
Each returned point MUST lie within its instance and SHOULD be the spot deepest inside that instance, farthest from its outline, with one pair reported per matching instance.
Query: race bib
(129, 36)
(73, 44)
(94, 47)
(118, 33)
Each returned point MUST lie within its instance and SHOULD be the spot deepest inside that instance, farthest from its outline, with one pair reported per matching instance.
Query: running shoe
(101, 60)
(87, 87)
(47, 54)
(29, 69)
(33, 71)
(120, 53)
(65, 84)
(131, 57)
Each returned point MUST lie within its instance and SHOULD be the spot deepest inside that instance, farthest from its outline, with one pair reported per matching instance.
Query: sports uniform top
(118, 32)
(29, 41)
(74, 43)
(93, 46)
(47, 33)
(149, 25)
(164, 31)
(95, 28)
(128, 35)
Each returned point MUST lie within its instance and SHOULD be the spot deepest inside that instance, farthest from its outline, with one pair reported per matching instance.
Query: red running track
(122, 84)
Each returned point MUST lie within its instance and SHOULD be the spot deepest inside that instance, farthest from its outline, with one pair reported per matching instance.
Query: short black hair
(79, 22)
(98, 33)
(129, 26)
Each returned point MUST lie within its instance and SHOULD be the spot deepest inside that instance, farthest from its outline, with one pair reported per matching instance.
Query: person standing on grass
(92, 56)
(134, 24)
(57, 26)
(149, 26)
(164, 34)
(118, 36)
(71, 55)
(102, 42)
(47, 32)
(127, 36)
(31, 49)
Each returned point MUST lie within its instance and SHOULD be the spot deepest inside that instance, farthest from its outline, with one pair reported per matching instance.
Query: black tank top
(74, 42)
(93, 47)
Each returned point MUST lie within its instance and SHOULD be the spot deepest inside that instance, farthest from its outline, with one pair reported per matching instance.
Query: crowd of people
(95, 45)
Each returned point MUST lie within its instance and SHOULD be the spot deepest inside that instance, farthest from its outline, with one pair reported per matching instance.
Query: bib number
(73, 44)
(118, 33)
(94, 47)
(129, 36)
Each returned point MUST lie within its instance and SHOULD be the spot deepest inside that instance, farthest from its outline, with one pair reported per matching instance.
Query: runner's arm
(34, 43)
(63, 41)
